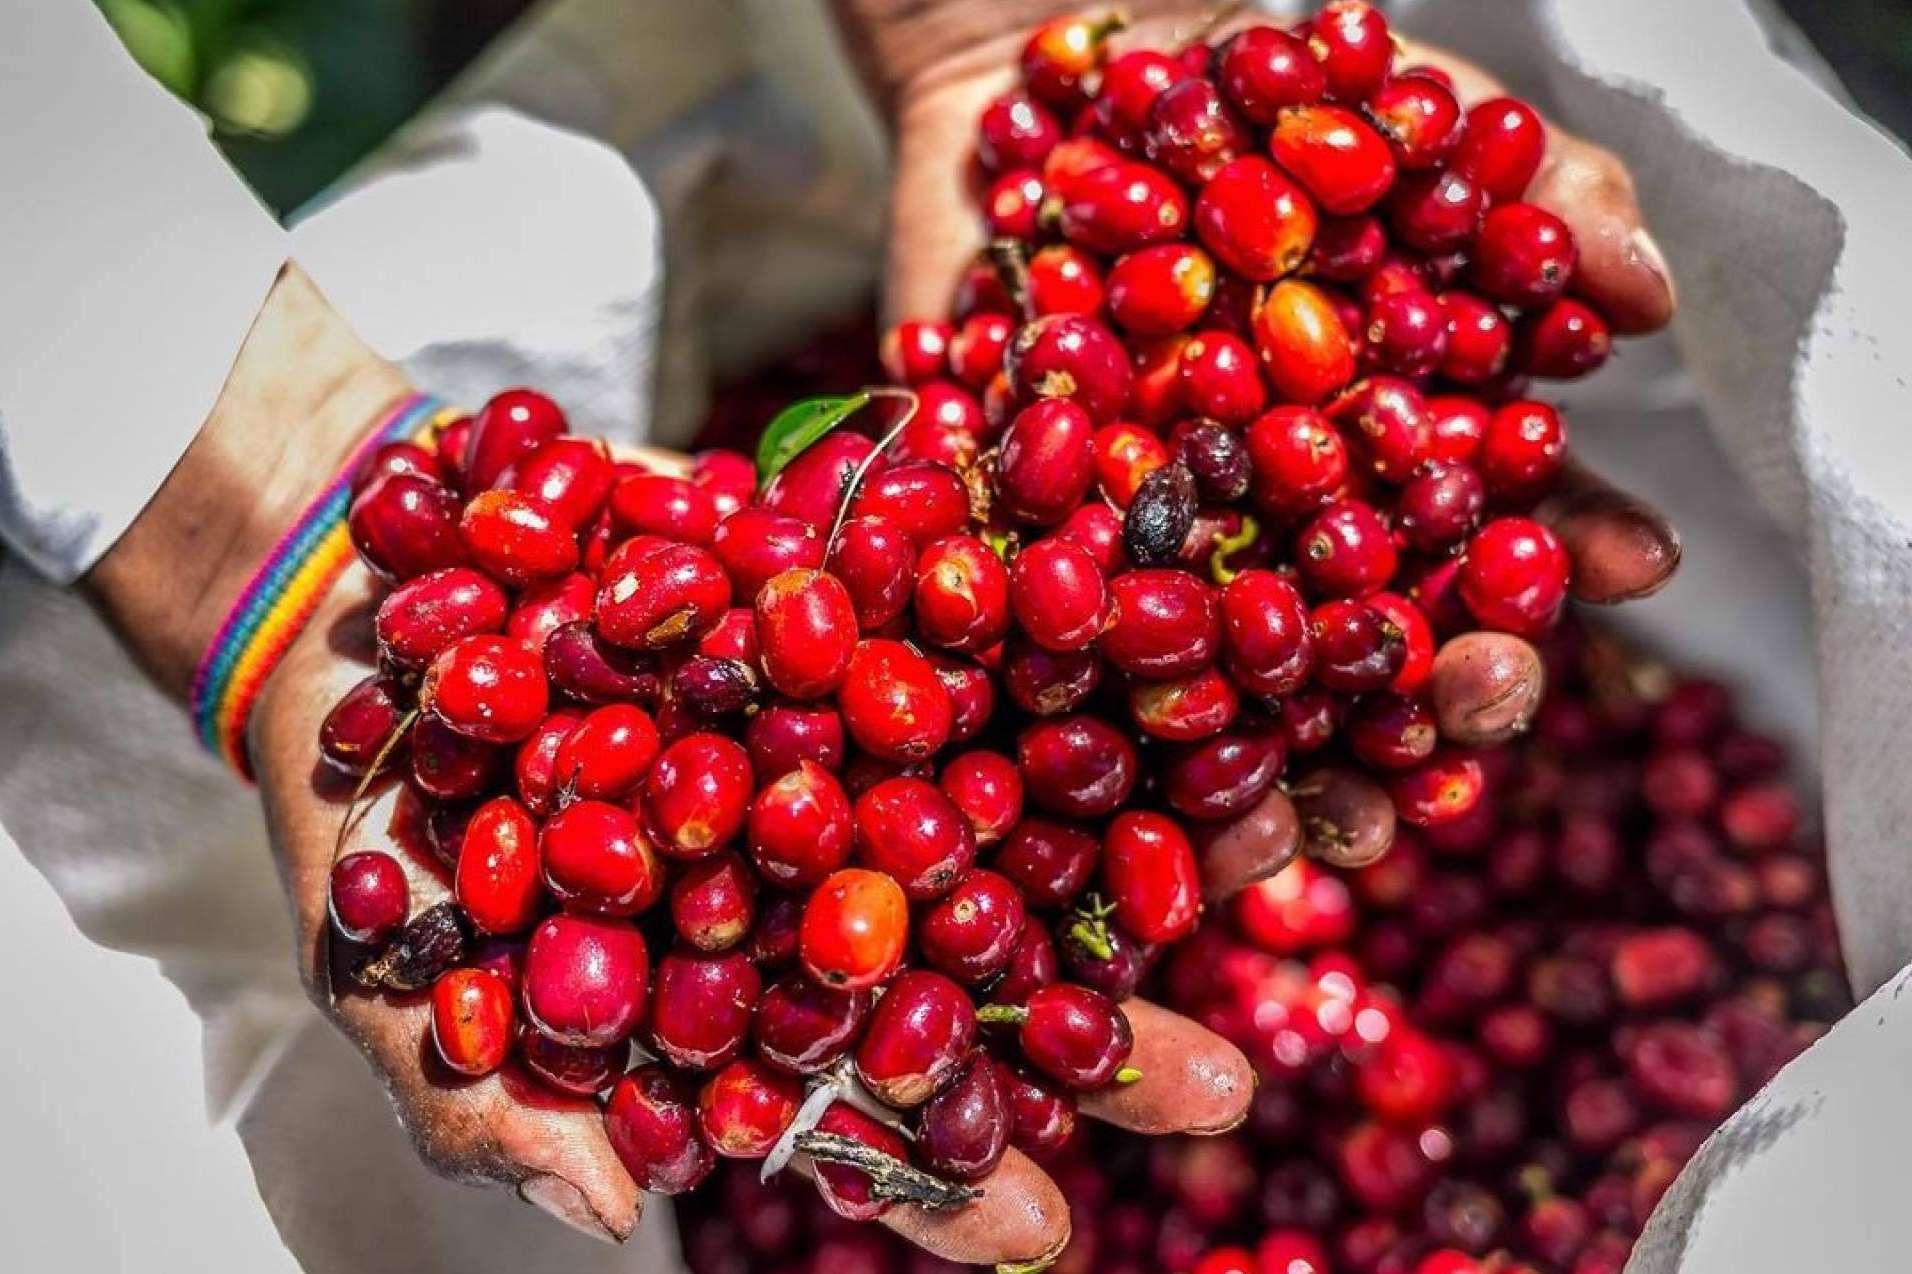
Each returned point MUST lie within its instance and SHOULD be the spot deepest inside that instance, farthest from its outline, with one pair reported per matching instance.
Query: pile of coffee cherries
(1490, 1053)
(867, 770)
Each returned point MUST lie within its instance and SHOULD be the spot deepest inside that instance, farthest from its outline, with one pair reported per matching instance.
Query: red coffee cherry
(1166, 624)
(701, 1007)
(876, 563)
(473, 1021)
(498, 881)
(893, 703)
(512, 425)
(918, 1034)
(1255, 220)
(987, 788)
(849, 1191)
(800, 826)
(1304, 346)
(1161, 290)
(1263, 70)
(652, 1124)
(1524, 255)
(1514, 576)
(698, 795)
(1339, 159)
(1192, 132)
(1501, 146)
(1078, 766)
(1149, 868)
(1072, 357)
(907, 829)
(607, 754)
(1047, 461)
(1073, 1035)
(1050, 861)
(854, 929)
(926, 500)
(586, 979)
(659, 504)
(597, 858)
(1351, 41)
(714, 902)
(367, 896)
(806, 629)
(744, 1109)
(964, 1130)
(1014, 132)
(660, 596)
(1058, 595)
(802, 1028)
(404, 525)
(973, 931)
(961, 600)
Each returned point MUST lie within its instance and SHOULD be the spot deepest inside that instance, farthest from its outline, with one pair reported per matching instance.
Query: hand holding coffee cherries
(1212, 528)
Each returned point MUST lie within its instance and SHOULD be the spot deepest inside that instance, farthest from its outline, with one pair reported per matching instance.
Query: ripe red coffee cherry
(1063, 279)
(1167, 624)
(1069, 356)
(516, 538)
(744, 1109)
(701, 1007)
(1420, 117)
(535, 767)
(1047, 461)
(1121, 207)
(1042, 1116)
(596, 858)
(975, 351)
(544, 608)
(1268, 642)
(448, 766)
(1346, 551)
(947, 429)
(1502, 144)
(586, 979)
(1567, 339)
(782, 736)
(964, 1130)
(360, 725)
(907, 829)
(811, 486)
(802, 1028)
(806, 629)
(1457, 426)
(800, 826)
(972, 932)
(1388, 425)
(659, 598)
(1298, 460)
(1187, 708)
(927, 501)
(659, 504)
(1192, 132)
(1125, 456)
(714, 902)
(1059, 54)
(918, 1034)
(961, 599)
(1351, 41)
(1032, 964)
(1128, 88)
(581, 1072)
(854, 929)
(473, 1021)
(1058, 594)
(652, 1124)
(972, 696)
(396, 457)
(1014, 132)
(1224, 775)
(1255, 220)
(1356, 647)
(1444, 788)
(1075, 1036)
(1347, 249)
(729, 476)
(1439, 506)
(1156, 362)
(893, 703)
(698, 795)
(498, 881)
(572, 477)
(1342, 162)
(1392, 731)
(425, 614)
(607, 753)
(987, 788)
(1406, 332)
(755, 543)
(1522, 450)
(1048, 683)
(586, 668)
(1263, 70)
(876, 563)
(1434, 213)
(1479, 339)
(849, 1191)
(404, 525)
(1523, 255)
(1219, 379)
(1161, 290)
(1304, 345)
(1514, 576)
(1012, 205)
(1078, 766)
(367, 896)
(1149, 868)
(1049, 861)
(512, 425)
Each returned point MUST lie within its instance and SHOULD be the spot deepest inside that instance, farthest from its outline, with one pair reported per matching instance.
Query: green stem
(1014, 1014)
(863, 468)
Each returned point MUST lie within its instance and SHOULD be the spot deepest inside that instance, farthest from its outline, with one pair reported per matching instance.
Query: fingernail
(566, 1202)
(1648, 253)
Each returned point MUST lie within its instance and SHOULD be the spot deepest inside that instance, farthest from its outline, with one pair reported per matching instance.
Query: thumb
(934, 228)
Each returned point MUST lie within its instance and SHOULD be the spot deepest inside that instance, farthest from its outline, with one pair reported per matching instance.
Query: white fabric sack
(1766, 423)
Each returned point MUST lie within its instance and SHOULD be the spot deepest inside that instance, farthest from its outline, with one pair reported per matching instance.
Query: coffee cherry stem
(1009, 1014)
(891, 1179)
(1226, 546)
(1128, 1075)
(1011, 261)
(863, 467)
(399, 731)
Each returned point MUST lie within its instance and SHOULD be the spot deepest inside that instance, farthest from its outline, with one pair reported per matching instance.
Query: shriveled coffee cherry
(404, 525)
(1073, 1035)
(854, 929)
(698, 794)
(586, 979)
(963, 1131)
(1161, 290)
(714, 902)
(1192, 132)
(1355, 647)
(367, 896)
(1077, 766)
(907, 829)
(972, 932)
(744, 1109)
(849, 1191)
(802, 1028)
(513, 424)
(422, 616)
(661, 597)
(1303, 343)
(1501, 147)
(1073, 357)
(1351, 41)
(1514, 576)
(473, 1021)
(1047, 461)
(1440, 790)
(1014, 132)
(926, 500)
(598, 859)
(1167, 624)
(1049, 861)
(875, 562)
(800, 826)
(651, 1120)
(1149, 868)
(1255, 220)
(918, 1034)
(1339, 159)
(961, 599)
(701, 1007)
(893, 703)
(1218, 459)
(498, 881)
(1523, 255)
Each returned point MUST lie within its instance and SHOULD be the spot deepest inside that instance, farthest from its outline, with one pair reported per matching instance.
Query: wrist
(302, 392)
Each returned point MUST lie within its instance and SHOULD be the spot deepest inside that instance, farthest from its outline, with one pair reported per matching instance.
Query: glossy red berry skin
(396, 457)
(597, 858)
(1047, 461)
(1479, 339)
(1264, 70)
(1457, 426)
(586, 979)
(1167, 624)
(548, 606)
(698, 794)
(1075, 1036)
(926, 501)
(1389, 427)
(1346, 550)
(1012, 205)
(1149, 869)
(1514, 576)
(1347, 249)
(744, 1109)
(854, 929)
(1298, 460)
(1567, 339)
(1042, 1115)
(1440, 506)
(1502, 144)
(1126, 454)
(782, 736)
(368, 897)
(1391, 731)
(802, 1028)
(1161, 290)
(1065, 279)
(976, 350)
(651, 1120)
(1336, 156)
(1405, 333)
(961, 598)
(714, 902)
(1444, 788)
(893, 703)
(581, 1072)
(661, 504)
(755, 543)
(1225, 774)
(1351, 41)
(964, 1130)
(422, 616)
(360, 724)
(607, 753)
(1523, 255)
(811, 486)
(918, 1034)
(404, 525)
(1128, 89)
(513, 424)
(1015, 132)
(517, 538)
(972, 695)
(1356, 648)
(1187, 708)
(972, 932)
(1192, 131)
(729, 476)
(875, 562)
(1420, 117)
(473, 1021)
(1122, 207)
(987, 788)
(806, 629)
(907, 829)
(800, 828)
(1220, 379)
(657, 598)
(702, 1006)
(1051, 862)
(498, 881)
(848, 1191)
(1255, 220)
(1058, 594)
(1434, 213)
(1077, 766)
(1303, 342)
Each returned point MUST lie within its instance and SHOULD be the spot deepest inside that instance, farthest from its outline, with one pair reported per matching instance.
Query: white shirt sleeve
(134, 261)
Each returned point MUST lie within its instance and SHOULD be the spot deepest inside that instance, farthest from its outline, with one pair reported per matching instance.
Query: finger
(1251, 848)
(1021, 1217)
(1486, 688)
(1193, 1080)
(1622, 548)
(1347, 819)
(1621, 268)
(934, 231)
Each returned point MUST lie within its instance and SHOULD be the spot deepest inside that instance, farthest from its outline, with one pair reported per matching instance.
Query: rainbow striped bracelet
(288, 586)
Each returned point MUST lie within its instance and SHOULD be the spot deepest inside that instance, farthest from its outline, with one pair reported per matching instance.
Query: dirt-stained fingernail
(1647, 252)
(1486, 687)
(567, 1203)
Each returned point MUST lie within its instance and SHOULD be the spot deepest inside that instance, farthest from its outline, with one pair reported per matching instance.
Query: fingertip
(1486, 687)
(1622, 548)
(1192, 1080)
(1021, 1218)
(1621, 268)
(1253, 847)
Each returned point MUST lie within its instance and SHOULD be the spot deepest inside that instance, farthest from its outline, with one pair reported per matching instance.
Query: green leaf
(799, 425)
